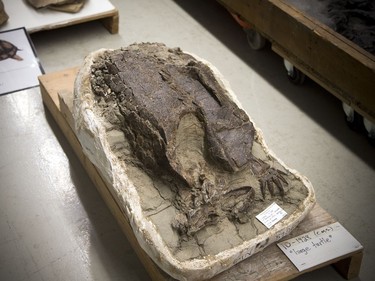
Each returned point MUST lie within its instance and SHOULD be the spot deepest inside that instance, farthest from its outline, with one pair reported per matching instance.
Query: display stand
(270, 264)
(22, 14)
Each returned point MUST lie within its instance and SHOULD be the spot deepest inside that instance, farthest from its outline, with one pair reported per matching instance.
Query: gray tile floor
(53, 223)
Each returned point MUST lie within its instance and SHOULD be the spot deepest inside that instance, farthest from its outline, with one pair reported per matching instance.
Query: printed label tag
(272, 215)
(319, 246)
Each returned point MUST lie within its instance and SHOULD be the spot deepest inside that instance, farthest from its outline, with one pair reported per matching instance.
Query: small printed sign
(272, 215)
(319, 246)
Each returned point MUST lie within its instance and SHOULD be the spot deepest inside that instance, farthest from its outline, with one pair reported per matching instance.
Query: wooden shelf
(270, 264)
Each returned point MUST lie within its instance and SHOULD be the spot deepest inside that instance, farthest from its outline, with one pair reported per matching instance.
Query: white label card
(319, 246)
(272, 215)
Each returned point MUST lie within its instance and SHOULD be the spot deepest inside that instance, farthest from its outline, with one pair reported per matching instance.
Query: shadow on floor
(108, 242)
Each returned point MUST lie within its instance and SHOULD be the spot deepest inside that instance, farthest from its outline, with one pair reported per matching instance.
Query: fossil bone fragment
(183, 159)
(70, 6)
(44, 3)
(73, 7)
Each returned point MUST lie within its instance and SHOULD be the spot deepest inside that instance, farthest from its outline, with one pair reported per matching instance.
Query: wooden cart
(337, 64)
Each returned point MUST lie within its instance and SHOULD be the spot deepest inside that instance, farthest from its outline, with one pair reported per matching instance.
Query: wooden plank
(270, 264)
(111, 23)
(349, 268)
(334, 62)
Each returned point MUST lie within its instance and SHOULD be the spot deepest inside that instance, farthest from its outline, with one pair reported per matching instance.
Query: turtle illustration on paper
(9, 51)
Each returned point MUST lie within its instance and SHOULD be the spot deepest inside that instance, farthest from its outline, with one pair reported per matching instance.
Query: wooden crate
(270, 264)
(341, 67)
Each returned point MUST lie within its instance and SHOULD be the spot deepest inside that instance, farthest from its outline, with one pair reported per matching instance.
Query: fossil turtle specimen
(8, 50)
(152, 113)
(183, 160)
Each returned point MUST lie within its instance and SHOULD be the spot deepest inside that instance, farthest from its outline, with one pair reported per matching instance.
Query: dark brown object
(355, 19)
(8, 51)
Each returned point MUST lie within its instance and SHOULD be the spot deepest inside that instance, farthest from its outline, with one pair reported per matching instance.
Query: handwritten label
(319, 246)
(272, 215)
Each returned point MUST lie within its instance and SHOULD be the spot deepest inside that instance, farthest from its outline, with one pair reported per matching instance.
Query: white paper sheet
(23, 73)
(319, 246)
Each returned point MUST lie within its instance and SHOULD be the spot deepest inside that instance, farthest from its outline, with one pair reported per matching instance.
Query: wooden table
(270, 264)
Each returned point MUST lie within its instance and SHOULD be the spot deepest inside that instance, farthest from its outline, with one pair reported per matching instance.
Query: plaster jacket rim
(88, 125)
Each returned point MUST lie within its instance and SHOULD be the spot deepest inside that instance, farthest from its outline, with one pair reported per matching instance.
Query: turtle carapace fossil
(183, 128)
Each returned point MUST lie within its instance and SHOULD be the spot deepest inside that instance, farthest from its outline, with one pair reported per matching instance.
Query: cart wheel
(370, 129)
(294, 74)
(255, 40)
(353, 119)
